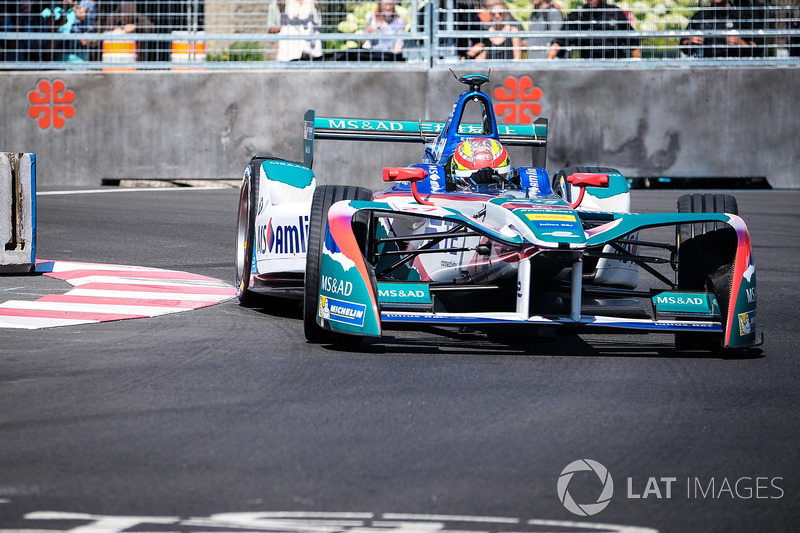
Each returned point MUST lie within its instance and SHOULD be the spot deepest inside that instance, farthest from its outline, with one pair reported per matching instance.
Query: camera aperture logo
(585, 509)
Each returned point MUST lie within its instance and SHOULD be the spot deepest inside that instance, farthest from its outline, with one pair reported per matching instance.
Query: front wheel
(324, 197)
(245, 232)
(705, 252)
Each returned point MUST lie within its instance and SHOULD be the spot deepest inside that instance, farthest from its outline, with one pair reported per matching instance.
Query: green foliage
(356, 18)
(649, 15)
(239, 51)
(663, 12)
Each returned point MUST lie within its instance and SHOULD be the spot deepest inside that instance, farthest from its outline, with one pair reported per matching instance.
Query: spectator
(21, 16)
(385, 21)
(544, 17)
(85, 22)
(127, 19)
(497, 48)
(596, 17)
(465, 20)
(721, 16)
(299, 18)
(273, 17)
(166, 16)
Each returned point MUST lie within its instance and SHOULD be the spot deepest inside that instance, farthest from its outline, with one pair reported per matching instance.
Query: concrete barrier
(667, 122)
(17, 212)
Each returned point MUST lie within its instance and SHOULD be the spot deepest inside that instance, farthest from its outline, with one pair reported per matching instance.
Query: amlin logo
(585, 509)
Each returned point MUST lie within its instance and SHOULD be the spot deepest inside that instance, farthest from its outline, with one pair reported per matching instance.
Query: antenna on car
(474, 81)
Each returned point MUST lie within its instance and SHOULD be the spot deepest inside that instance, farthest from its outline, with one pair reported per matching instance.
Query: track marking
(105, 293)
(313, 522)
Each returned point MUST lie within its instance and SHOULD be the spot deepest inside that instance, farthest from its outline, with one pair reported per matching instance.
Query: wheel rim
(241, 236)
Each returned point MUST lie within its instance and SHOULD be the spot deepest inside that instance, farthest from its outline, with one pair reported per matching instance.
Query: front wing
(353, 300)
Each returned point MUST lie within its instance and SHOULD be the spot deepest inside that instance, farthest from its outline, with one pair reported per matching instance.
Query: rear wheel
(245, 233)
(705, 252)
(324, 197)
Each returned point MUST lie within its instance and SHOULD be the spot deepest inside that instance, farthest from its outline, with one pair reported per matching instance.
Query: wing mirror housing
(586, 179)
(412, 175)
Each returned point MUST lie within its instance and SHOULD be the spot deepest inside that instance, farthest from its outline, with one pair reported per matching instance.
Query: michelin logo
(342, 311)
(747, 323)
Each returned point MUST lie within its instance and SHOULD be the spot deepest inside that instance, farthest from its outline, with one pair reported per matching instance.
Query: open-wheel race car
(464, 238)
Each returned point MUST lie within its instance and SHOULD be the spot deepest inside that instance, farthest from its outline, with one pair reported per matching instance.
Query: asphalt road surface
(173, 421)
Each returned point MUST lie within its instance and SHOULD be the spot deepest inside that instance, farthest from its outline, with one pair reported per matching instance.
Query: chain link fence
(268, 34)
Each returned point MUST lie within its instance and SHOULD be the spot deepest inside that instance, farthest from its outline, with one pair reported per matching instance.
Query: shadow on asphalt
(509, 340)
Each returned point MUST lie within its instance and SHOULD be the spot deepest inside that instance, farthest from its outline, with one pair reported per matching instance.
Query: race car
(466, 239)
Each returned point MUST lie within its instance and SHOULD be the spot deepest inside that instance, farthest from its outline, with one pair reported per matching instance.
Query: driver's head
(477, 160)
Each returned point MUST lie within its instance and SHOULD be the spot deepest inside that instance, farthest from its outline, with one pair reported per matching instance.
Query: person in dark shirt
(497, 48)
(596, 18)
(721, 16)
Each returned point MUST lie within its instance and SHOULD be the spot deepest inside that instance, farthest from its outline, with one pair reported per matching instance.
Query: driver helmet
(477, 160)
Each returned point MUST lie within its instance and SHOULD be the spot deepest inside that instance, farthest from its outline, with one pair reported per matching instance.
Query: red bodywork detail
(412, 175)
(586, 179)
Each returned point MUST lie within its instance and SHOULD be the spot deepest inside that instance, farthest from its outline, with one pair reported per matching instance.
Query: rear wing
(398, 131)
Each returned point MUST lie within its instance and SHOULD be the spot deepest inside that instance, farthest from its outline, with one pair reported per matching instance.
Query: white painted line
(36, 323)
(99, 278)
(291, 514)
(151, 295)
(66, 266)
(131, 189)
(452, 518)
(284, 525)
(29, 531)
(92, 308)
(616, 528)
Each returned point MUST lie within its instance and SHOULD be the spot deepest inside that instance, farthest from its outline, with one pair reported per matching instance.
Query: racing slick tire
(324, 197)
(560, 185)
(704, 250)
(245, 233)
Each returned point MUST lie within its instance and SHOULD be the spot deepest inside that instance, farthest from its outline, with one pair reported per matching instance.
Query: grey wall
(189, 125)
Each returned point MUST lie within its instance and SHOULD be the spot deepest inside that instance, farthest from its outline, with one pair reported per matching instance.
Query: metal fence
(264, 34)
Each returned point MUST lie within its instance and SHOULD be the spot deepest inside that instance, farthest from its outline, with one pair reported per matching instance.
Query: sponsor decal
(292, 174)
(751, 295)
(283, 239)
(747, 323)
(308, 130)
(551, 217)
(336, 286)
(51, 104)
(551, 220)
(675, 302)
(342, 311)
(404, 293)
(470, 129)
(378, 125)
